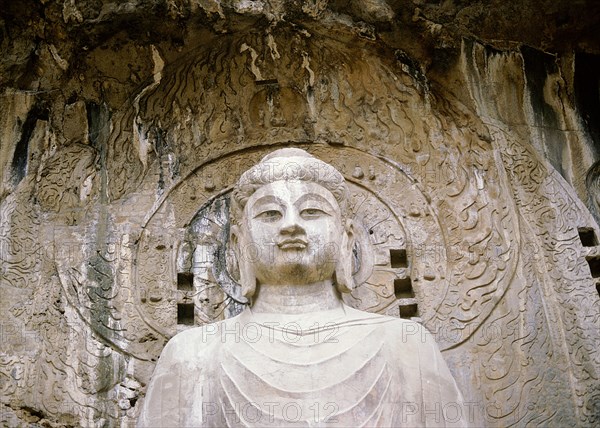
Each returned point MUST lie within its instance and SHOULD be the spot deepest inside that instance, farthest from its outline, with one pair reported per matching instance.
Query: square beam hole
(408, 311)
(185, 281)
(598, 288)
(398, 258)
(403, 288)
(185, 313)
(594, 267)
(587, 237)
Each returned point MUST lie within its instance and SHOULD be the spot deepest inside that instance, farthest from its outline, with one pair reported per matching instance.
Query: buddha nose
(291, 224)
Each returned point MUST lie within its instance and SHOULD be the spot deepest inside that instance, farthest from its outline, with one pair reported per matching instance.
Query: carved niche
(465, 227)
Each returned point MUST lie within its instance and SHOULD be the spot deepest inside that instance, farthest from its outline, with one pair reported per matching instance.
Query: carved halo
(385, 226)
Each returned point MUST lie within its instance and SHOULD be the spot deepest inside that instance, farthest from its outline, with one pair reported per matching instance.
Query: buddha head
(289, 223)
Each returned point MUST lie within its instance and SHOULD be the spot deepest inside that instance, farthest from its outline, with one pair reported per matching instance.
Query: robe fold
(336, 368)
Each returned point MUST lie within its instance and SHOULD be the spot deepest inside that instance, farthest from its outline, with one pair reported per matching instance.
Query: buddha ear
(244, 264)
(343, 269)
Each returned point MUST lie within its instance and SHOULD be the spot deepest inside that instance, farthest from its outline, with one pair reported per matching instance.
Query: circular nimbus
(182, 255)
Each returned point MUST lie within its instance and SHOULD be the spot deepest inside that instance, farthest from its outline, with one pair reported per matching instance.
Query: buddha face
(293, 233)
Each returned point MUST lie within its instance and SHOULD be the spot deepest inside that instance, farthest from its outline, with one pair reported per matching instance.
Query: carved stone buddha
(298, 356)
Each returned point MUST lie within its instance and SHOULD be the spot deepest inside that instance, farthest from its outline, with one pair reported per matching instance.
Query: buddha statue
(297, 355)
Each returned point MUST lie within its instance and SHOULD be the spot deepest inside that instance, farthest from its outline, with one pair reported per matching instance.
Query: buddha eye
(269, 215)
(312, 213)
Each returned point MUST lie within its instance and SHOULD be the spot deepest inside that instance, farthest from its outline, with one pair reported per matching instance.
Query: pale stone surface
(466, 131)
(297, 354)
(338, 367)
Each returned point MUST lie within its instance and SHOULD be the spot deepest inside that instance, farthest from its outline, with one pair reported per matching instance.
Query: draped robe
(340, 367)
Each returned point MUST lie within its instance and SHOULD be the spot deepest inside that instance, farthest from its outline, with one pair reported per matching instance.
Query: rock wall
(469, 140)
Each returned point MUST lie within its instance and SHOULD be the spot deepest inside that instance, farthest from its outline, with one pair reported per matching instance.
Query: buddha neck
(296, 299)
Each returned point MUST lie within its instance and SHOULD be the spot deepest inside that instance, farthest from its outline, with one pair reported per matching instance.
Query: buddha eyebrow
(267, 199)
(314, 196)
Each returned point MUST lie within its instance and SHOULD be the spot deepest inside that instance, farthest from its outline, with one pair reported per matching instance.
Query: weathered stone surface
(467, 132)
(297, 354)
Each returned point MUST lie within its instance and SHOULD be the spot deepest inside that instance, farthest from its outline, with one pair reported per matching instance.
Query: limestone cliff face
(468, 132)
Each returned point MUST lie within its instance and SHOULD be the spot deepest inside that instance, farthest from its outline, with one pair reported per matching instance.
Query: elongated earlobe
(246, 271)
(343, 269)
(247, 279)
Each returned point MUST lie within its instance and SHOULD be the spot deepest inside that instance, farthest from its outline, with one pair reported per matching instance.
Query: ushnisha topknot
(288, 164)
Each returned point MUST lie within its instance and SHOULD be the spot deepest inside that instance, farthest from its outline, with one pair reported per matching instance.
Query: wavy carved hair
(288, 164)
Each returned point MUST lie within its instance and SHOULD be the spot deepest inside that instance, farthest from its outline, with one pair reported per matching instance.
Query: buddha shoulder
(403, 333)
(191, 344)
